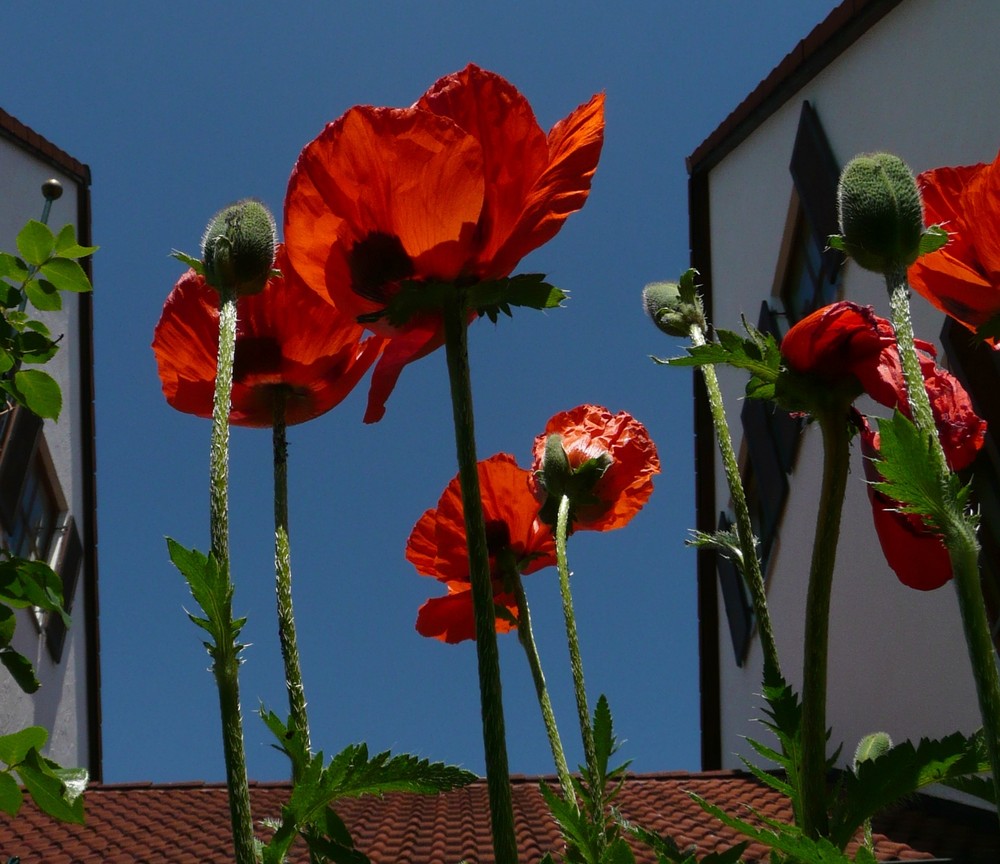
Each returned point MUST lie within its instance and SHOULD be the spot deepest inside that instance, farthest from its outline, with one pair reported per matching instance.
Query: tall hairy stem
(494, 736)
(959, 535)
(298, 719)
(744, 530)
(226, 661)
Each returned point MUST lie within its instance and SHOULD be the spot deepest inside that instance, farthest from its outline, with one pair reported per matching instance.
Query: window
(35, 521)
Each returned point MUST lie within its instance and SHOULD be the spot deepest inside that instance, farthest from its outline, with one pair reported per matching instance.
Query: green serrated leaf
(48, 790)
(933, 238)
(20, 669)
(901, 771)
(35, 242)
(908, 473)
(43, 295)
(11, 797)
(16, 746)
(67, 275)
(38, 392)
(67, 247)
(212, 591)
(604, 736)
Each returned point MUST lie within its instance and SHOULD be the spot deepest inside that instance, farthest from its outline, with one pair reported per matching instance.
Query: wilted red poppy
(514, 535)
(962, 279)
(460, 186)
(590, 432)
(287, 339)
(916, 554)
(845, 339)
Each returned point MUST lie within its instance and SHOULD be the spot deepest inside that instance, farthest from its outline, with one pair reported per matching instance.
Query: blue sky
(180, 109)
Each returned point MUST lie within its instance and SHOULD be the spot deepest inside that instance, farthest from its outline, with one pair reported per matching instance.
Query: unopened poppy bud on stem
(238, 247)
(881, 215)
(674, 306)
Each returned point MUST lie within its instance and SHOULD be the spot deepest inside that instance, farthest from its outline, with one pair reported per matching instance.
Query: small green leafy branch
(47, 264)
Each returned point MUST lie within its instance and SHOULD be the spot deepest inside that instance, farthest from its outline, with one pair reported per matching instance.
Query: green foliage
(725, 542)
(667, 851)
(351, 773)
(56, 791)
(488, 299)
(592, 831)
(213, 593)
(909, 476)
(756, 352)
(48, 264)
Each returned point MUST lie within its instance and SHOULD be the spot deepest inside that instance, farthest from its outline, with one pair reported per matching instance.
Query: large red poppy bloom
(592, 432)
(287, 339)
(514, 535)
(962, 279)
(845, 339)
(460, 186)
(916, 554)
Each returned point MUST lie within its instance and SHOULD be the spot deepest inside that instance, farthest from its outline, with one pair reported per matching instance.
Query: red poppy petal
(408, 346)
(383, 171)
(916, 555)
(451, 618)
(515, 150)
(982, 219)
(955, 288)
(574, 149)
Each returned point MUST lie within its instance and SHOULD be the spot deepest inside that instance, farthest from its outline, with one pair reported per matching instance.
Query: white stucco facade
(60, 705)
(919, 83)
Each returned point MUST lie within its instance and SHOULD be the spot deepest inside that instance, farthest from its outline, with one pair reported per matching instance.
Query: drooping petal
(916, 555)
(451, 618)
(400, 351)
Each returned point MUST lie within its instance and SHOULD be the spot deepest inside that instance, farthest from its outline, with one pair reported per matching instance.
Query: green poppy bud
(881, 215)
(674, 307)
(238, 247)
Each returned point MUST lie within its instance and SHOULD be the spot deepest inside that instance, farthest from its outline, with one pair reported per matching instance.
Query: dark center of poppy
(497, 536)
(377, 263)
(256, 357)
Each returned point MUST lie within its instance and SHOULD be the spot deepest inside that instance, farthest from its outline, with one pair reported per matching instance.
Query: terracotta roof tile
(188, 823)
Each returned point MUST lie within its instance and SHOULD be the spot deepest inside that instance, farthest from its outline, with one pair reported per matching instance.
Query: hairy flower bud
(881, 215)
(238, 247)
(674, 306)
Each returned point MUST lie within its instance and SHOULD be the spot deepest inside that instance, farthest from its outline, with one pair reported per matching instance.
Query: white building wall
(920, 83)
(60, 703)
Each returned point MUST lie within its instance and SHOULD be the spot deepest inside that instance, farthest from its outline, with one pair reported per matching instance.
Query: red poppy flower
(286, 338)
(515, 537)
(592, 432)
(845, 339)
(916, 554)
(460, 186)
(962, 279)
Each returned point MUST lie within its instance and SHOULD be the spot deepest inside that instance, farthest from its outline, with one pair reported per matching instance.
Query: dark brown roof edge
(827, 41)
(11, 127)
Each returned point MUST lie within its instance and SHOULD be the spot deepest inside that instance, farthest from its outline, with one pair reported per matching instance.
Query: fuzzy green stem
(836, 461)
(959, 536)
(491, 702)
(744, 529)
(226, 660)
(298, 720)
(575, 660)
(526, 637)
